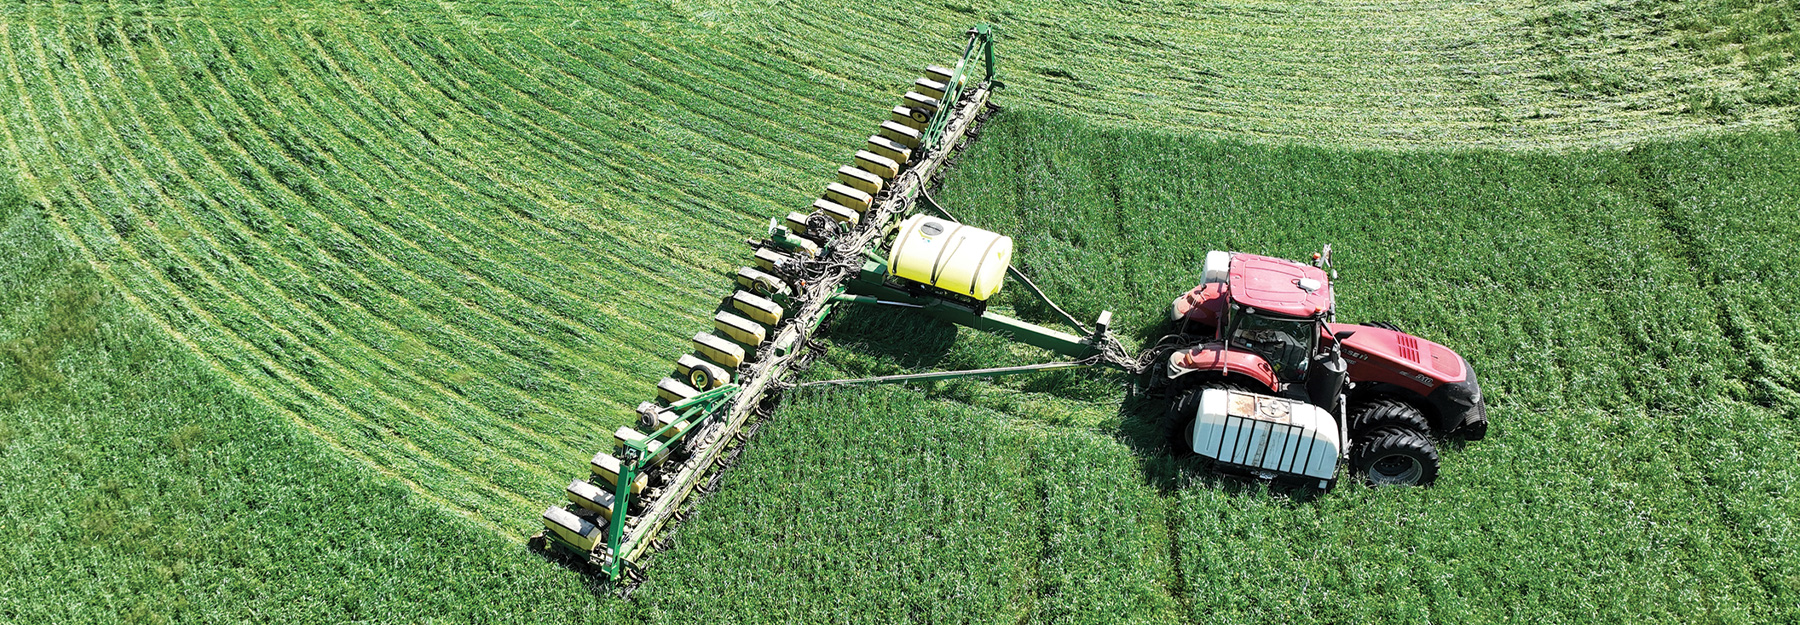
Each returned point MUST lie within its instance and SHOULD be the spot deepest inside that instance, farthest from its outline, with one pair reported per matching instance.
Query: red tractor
(1265, 326)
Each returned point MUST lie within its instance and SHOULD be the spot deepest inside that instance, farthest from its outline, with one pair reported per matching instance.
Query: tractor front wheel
(1365, 418)
(1178, 425)
(1397, 457)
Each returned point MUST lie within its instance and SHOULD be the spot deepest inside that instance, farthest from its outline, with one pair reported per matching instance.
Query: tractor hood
(1385, 359)
(1279, 286)
(1425, 363)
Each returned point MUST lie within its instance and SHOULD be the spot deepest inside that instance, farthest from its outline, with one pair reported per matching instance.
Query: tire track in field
(1763, 375)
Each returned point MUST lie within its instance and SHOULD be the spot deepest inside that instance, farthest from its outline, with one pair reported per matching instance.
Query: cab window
(1285, 343)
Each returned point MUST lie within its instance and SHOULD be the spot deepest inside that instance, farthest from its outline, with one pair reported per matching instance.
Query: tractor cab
(1263, 328)
(1286, 344)
(1274, 311)
(1265, 317)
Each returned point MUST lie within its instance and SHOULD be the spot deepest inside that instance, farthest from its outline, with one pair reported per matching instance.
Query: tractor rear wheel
(1365, 418)
(1396, 457)
(1178, 425)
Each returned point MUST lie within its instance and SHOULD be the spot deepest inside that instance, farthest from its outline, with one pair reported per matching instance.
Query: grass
(418, 232)
(1638, 469)
(1415, 74)
(137, 485)
(310, 308)
(1717, 59)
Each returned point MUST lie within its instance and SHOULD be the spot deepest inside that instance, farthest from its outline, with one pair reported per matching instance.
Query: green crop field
(308, 309)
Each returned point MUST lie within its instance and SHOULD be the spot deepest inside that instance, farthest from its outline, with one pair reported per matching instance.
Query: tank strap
(976, 275)
(937, 265)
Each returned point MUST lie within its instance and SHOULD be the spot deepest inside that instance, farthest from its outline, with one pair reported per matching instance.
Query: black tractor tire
(1177, 425)
(1366, 417)
(1385, 325)
(1396, 457)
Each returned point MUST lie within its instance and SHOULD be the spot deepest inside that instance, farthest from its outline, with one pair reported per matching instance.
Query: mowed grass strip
(139, 485)
(1399, 74)
(433, 248)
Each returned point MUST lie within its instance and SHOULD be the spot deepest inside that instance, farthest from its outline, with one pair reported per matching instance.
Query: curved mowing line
(442, 392)
(365, 93)
(646, 273)
(63, 108)
(572, 297)
(747, 74)
(1422, 47)
(645, 263)
(244, 304)
(705, 111)
(189, 218)
(462, 244)
(560, 236)
(226, 179)
(176, 206)
(464, 97)
(93, 258)
(559, 117)
(305, 310)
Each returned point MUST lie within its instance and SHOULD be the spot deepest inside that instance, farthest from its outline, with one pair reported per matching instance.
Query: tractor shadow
(872, 341)
(869, 342)
(1142, 418)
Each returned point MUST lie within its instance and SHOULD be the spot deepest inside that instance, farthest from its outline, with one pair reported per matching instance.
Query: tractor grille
(1409, 347)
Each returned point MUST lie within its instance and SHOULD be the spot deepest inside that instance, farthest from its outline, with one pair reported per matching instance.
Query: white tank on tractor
(1265, 435)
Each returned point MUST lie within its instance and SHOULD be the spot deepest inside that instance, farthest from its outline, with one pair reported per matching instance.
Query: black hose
(1014, 270)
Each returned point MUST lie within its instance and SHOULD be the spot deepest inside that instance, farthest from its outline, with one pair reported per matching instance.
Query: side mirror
(1340, 335)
